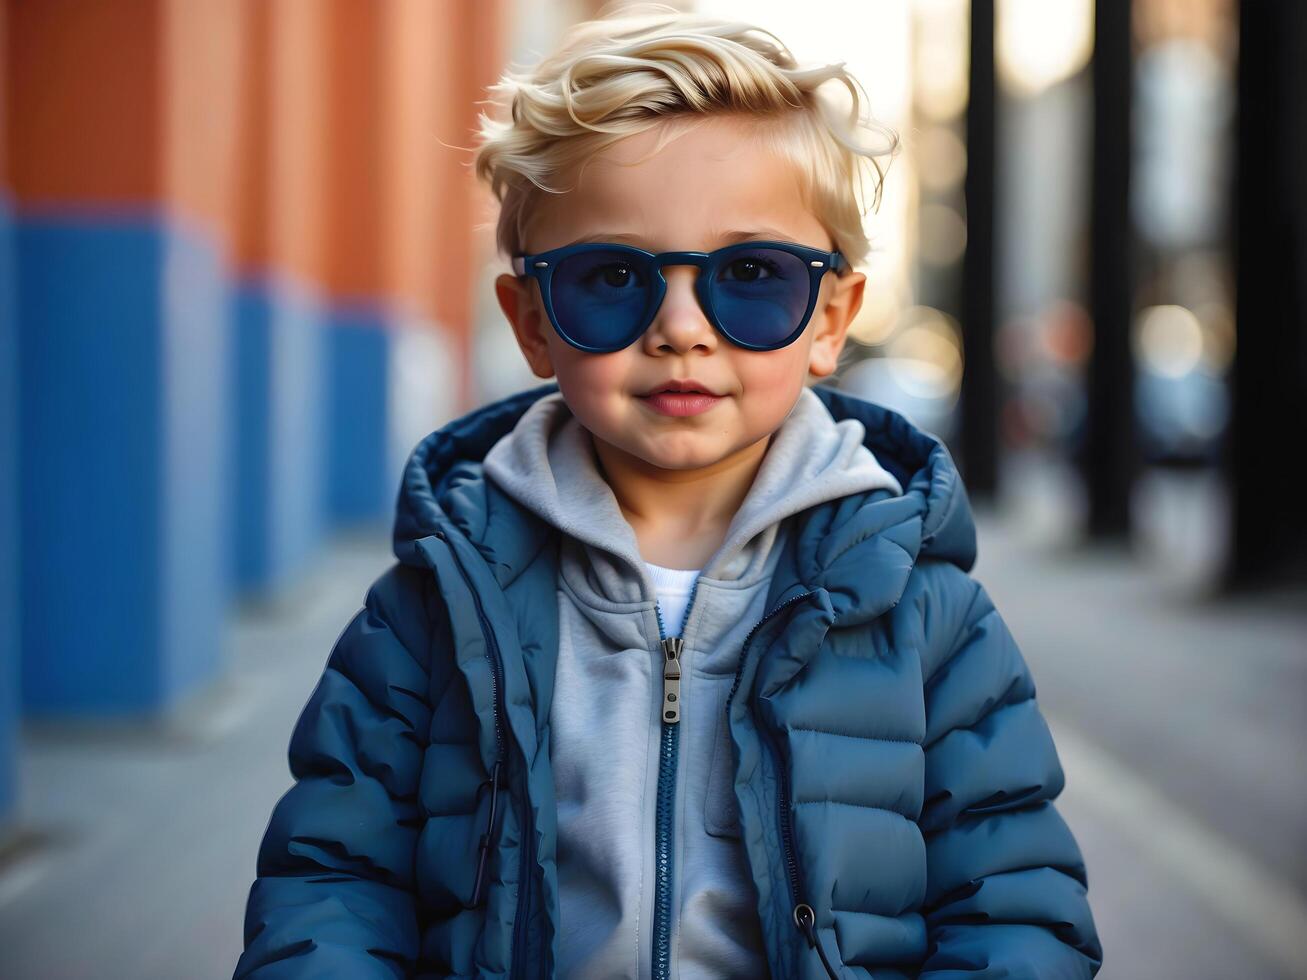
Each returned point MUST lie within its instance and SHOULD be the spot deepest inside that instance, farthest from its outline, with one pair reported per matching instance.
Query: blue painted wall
(9, 663)
(361, 484)
(278, 379)
(194, 421)
(122, 444)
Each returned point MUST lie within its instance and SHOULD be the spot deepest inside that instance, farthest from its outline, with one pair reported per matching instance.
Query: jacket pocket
(721, 813)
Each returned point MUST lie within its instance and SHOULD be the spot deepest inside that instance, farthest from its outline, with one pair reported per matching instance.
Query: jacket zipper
(803, 914)
(496, 682)
(671, 647)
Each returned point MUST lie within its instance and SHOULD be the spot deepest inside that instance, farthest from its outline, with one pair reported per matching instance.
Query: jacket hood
(445, 485)
(548, 464)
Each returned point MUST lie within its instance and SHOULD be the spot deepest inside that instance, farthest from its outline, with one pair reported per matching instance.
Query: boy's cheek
(772, 373)
(587, 378)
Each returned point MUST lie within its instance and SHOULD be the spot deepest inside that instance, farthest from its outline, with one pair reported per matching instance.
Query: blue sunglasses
(600, 297)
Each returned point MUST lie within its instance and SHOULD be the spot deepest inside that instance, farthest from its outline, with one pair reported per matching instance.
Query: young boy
(680, 671)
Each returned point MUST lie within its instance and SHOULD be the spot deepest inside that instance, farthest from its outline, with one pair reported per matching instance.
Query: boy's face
(707, 183)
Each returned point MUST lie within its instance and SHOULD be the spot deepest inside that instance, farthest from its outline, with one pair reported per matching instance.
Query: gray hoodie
(605, 719)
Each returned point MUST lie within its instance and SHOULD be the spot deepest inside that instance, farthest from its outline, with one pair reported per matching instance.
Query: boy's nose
(680, 324)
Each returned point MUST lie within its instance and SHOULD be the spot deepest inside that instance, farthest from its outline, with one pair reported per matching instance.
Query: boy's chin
(682, 451)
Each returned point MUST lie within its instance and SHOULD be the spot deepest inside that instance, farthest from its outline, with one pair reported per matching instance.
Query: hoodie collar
(445, 485)
(548, 464)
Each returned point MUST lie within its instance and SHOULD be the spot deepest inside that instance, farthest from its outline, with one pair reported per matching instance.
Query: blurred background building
(244, 268)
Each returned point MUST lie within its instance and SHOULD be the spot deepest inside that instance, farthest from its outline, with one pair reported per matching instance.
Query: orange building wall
(298, 65)
(418, 43)
(354, 149)
(254, 142)
(475, 63)
(127, 104)
(86, 116)
(204, 60)
(4, 97)
(324, 139)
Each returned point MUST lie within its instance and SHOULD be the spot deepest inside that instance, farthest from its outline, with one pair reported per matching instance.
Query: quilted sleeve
(335, 894)
(1006, 882)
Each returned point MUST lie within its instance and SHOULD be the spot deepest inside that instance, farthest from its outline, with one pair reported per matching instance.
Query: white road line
(1267, 910)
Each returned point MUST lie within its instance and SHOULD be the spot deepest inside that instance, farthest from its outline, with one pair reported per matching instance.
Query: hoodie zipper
(496, 684)
(803, 914)
(671, 647)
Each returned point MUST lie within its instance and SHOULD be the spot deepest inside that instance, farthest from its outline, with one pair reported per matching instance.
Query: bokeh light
(1041, 42)
(1168, 340)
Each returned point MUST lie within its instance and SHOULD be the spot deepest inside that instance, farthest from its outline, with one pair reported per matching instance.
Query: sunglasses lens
(599, 298)
(760, 295)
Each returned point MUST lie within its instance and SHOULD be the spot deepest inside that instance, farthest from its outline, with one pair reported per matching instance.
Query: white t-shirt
(674, 587)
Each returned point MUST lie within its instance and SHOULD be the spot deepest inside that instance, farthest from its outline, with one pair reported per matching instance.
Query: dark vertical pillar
(979, 397)
(1269, 424)
(1109, 457)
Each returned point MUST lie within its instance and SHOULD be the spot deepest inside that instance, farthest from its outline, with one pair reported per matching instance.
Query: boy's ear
(832, 323)
(518, 300)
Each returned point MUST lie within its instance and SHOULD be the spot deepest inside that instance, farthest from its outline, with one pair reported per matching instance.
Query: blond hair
(642, 66)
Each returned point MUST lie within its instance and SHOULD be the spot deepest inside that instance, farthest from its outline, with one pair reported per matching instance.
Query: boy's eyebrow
(725, 238)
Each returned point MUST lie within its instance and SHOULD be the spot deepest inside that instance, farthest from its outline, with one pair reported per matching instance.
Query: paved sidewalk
(1180, 723)
(151, 835)
(1179, 727)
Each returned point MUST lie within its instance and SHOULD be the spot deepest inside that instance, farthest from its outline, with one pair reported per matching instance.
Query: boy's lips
(681, 386)
(680, 403)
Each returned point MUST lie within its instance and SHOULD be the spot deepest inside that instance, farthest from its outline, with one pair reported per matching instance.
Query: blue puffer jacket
(894, 777)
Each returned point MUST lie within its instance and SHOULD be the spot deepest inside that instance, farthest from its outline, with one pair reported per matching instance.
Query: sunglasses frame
(541, 268)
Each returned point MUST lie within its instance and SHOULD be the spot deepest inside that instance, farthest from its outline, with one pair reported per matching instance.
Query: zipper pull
(672, 647)
(483, 845)
(806, 920)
